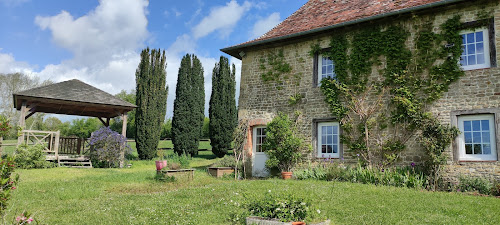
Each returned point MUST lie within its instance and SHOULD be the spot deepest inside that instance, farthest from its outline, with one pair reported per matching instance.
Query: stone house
(471, 103)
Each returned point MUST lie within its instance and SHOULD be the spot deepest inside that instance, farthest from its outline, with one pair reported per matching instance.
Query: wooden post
(56, 146)
(124, 133)
(22, 123)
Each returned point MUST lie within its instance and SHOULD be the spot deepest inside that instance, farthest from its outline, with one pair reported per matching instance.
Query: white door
(259, 157)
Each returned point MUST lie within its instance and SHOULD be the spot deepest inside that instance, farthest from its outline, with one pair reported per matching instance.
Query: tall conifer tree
(189, 106)
(223, 112)
(151, 101)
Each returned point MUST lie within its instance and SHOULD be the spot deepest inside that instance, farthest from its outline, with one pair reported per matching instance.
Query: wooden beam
(124, 125)
(22, 122)
(102, 121)
(29, 115)
(107, 122)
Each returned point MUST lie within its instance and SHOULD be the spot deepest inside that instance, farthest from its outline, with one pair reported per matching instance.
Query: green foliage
(31, 157)
(283, 146)
(205, 130)
(413, 80)
(166, 129)
(83, 128)
(151, 100)
(4, 126)
(277, 67)
(7, 182)
(475, 184)
(189, 106)
(222, 111)
(182, 161)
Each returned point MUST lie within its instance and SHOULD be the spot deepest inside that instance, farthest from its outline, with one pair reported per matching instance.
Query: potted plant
(282, 145)
(162, 163)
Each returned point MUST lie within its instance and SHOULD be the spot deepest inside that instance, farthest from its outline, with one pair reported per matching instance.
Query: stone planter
(220, 171)
(266, 221)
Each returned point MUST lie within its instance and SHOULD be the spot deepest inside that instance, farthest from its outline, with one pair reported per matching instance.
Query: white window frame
(255, 136)
(319, 138)
(320, 66)
(487, 52)
(461, 138)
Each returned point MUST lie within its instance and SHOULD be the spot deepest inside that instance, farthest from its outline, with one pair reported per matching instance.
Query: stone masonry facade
(477, 92)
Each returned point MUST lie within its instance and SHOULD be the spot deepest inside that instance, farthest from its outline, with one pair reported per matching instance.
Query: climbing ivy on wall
(379, 116)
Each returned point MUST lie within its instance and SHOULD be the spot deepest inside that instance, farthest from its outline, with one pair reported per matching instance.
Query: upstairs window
(326, 68)
(475, 49)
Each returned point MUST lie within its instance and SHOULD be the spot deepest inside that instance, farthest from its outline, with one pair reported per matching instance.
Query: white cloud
(8, 64)
(104, 42)
(264, 25)
(222, 19)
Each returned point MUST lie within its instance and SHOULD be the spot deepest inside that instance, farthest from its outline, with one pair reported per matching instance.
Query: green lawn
(132, 196)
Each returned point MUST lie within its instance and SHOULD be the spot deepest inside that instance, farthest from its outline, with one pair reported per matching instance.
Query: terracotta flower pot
(298, 223)
(286, 175)
(160, 164)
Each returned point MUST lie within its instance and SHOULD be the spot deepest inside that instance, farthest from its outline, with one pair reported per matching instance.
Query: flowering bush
(7, 182)
(107, 148)
(31, 157)
(4, 126)
(25, 218)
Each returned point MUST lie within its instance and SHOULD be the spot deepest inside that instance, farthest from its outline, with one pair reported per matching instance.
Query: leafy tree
(223, 112)
(166, 129)
(189, 106)
(83, 128)
(151, 100)
(117, 123)
(52, 124)
(205, 131)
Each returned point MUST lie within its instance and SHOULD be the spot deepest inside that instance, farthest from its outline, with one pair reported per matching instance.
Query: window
(328, 140)
(325, 69)
(475, 49)
(477, 139)
(260, 137)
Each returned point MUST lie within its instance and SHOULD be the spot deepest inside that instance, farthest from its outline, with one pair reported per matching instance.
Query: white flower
(319, 211)
(236, 193)
(278, 209)
(269, 191)
(303, 203)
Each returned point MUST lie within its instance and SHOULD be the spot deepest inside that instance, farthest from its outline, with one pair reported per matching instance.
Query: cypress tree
(189, 106)
(151, 100)
(222, 111)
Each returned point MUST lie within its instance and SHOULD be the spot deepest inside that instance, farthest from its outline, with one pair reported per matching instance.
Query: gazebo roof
(72, 97)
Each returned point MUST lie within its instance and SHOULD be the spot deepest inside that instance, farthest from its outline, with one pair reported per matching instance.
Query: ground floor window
(477, 138)
(328, 140)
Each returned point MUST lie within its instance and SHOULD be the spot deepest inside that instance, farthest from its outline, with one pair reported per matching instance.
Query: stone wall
(478, 89)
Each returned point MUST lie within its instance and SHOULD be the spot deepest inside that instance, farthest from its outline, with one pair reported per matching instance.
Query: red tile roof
(318, 14)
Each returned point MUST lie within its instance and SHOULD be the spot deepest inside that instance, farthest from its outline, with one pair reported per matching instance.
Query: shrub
(7, 182)
(282, 145)
(285, 208)
(25, 218)
(107, 147)
(474, 184)
(176, 162)
(4, 126)
(31, 157)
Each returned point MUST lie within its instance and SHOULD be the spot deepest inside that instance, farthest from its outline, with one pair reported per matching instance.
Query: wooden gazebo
(72, 97)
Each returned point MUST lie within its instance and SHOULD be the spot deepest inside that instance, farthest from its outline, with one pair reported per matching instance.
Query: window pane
(335, 139)
(330, 130)
(471, 49)
(323, 148)
(323, 139)
(476, 137)
(323, 70)
(468, 137)
(486, 149)
(467, 126)
(485, 125)
(480, 59)
(480, 48)
(476, 125)
(468, 149)
(470, 38)
(330, 139)
(479, 36)
(477, 149)
(463, 62)
(259, 131)
(335, 129)
(330, 69)
(323, 130)
(463, 39)
(329, 149)
(471, 60)
(335, 149)
(486, 137)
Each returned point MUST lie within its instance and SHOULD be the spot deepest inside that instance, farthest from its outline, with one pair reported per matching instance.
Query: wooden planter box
(178, 174)
(267, 221)
(220, 171)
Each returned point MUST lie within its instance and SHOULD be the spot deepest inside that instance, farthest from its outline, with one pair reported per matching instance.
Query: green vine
(411, 81)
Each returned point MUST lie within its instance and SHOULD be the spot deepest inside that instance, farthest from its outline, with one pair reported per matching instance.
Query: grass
(132, 196)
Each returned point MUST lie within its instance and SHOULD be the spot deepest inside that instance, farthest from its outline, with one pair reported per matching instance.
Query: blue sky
(99, 42)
